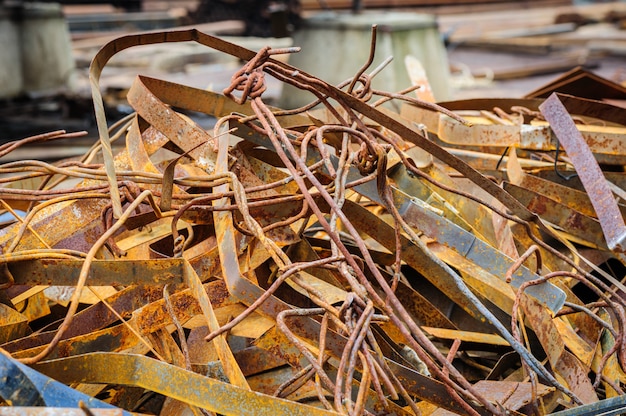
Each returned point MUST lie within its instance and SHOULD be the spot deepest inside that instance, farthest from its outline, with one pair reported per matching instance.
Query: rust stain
(293, 251)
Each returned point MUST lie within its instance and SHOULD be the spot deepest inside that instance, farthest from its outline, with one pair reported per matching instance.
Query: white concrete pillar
(335, 45)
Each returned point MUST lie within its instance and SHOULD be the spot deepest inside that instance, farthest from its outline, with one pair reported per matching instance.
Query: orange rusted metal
(313, 262)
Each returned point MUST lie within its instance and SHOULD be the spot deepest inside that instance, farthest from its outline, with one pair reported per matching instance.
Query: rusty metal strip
(13, 325)
(590, 173)
(565, 218)
(479, 217)
(482, 132)
(61, 272)
(184, 134)
(225, 234)
(612, 370)
(565, 195)
(75, 220)
(466, 214)
(490, 103)
(564, 363)
(607, 143)
(469, 246)
(593, 108)
(16, 386)
(96, 316)
(617, 178)
(518, 396)
(423, 387)
(479, 279)
(115, 338)
(171, 381)
(231, 368)
(418, 215)
(466, 336)
(139, 157)
(146, 319)
(207, 102)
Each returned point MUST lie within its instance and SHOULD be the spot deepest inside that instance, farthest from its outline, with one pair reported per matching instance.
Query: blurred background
(466, 49)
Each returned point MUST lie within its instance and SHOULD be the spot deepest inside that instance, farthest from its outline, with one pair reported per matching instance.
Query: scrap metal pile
(465, 259)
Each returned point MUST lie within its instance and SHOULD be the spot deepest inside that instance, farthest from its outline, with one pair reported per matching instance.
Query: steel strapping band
(172, 381)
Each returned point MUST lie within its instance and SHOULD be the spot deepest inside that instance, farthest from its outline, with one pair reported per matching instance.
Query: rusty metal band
(592, 108)
(125, 42)
(58, 411)
(423, 387)
(171, 381)
(187, 136)
(444, 231)
(606, 144)
(590, 173)
(61, 272)
(96, 316)
(148, 314)
(567, 219)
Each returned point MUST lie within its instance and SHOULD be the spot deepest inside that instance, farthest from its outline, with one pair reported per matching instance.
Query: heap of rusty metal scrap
(465, 259)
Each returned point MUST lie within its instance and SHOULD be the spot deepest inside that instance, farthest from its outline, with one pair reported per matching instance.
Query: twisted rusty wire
(620, 314)
(82, 278)
(360, 146)
(368, 163)
(274, 134)
(528, 227)
(54, 135)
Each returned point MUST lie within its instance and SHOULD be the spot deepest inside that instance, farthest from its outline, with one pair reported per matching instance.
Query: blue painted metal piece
(607, 407)
(20, 385)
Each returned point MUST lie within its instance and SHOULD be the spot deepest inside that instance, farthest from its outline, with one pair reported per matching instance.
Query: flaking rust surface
(301, 263)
